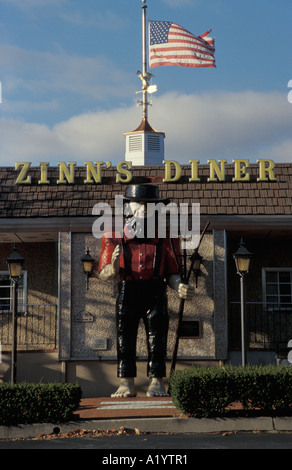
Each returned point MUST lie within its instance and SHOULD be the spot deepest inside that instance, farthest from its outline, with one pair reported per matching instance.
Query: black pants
(146, 300)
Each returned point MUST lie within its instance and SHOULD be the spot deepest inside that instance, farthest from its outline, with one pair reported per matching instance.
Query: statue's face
(136, 215)
(136, 209)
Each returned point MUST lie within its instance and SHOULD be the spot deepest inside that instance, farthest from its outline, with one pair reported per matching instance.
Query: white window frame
(278, 304)
(22, 306)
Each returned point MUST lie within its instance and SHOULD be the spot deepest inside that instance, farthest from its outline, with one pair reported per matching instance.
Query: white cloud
(225, 125)
(97, 135)
(11, 107)
(39, 73)
(281, 152)
(20, 141)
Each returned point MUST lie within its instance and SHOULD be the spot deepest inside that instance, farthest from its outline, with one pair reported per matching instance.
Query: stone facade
(87, 317)
(52, 226)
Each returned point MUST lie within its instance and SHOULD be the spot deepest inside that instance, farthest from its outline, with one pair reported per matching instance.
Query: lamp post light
(15, 262)
(242, 261)
(87, 261)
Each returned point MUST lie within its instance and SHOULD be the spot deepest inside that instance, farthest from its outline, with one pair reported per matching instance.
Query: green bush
(37, 403)
(207, 392)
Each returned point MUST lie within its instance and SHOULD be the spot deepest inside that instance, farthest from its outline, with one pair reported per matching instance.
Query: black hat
(143, 193)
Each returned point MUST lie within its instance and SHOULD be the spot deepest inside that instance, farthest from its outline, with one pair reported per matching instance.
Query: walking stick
(185, 280)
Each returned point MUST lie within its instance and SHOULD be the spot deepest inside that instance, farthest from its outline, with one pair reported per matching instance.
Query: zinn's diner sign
(173, 171)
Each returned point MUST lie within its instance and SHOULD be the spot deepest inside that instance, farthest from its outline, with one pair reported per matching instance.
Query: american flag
(170, 44)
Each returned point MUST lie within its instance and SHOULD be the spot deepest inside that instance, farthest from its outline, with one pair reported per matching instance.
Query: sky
(68, 81)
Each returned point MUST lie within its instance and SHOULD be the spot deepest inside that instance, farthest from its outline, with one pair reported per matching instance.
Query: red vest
(141, 259)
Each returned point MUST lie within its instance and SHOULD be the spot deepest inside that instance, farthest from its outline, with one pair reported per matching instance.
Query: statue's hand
(115, 262)
(111, 271)
(186, 291)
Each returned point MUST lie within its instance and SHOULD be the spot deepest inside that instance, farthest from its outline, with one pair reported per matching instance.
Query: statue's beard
(137, 226)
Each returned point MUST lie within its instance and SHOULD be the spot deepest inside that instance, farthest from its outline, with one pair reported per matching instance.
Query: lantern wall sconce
(15, 262)
(88, 262)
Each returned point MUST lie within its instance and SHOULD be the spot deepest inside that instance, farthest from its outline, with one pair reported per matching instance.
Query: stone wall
(87, 317)
(37, 321)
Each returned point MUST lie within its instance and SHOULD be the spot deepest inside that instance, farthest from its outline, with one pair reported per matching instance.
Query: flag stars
(159, 31)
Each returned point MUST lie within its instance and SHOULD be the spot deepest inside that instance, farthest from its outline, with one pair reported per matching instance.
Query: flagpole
(144, 58)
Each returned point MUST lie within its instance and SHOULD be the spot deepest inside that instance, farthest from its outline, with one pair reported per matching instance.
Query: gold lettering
(95, 173)
(194, 169)
(263, 169)
(240, 171)
(173, 171)
(23, 172)
(214, 168)
(168, 165)
(123, 169)
(44, 166)
(66, 173)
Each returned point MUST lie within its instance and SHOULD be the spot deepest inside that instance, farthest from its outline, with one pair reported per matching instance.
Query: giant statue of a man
(143, 267)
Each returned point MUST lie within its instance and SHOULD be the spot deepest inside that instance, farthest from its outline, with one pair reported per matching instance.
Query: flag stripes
(170, 44)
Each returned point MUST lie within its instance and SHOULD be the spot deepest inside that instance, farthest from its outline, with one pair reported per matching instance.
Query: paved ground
(109, 408)
(132, 450)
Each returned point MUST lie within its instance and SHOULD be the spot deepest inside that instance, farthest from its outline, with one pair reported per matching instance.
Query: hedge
(257, 389)
(25, 403)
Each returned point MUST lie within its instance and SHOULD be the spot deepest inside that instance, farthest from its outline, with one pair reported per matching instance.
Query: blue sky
(68, 75)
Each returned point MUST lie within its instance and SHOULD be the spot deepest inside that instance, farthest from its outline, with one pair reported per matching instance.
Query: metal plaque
(84, 317)
(100, 344)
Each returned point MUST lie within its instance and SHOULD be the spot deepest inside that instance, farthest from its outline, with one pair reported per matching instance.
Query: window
(6, 292)
(277, 286)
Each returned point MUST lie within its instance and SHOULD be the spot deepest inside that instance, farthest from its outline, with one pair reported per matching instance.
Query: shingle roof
(78, 199)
